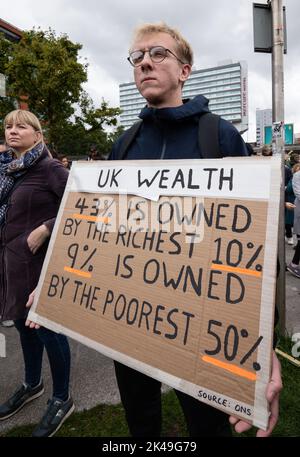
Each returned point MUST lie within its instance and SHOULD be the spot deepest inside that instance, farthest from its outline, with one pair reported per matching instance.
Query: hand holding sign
(29, 303)
(273, 390)
(189, 274)
(37, 238)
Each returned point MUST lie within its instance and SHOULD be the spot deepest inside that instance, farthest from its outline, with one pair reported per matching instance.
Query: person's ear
(186, 70)
(38, 137)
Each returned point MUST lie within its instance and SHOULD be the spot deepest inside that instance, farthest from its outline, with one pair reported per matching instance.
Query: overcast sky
(218, 30)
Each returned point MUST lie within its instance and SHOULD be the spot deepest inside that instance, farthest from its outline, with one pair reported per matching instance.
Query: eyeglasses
(157, 54)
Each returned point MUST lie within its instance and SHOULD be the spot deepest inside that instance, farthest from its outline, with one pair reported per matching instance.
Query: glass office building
(263, 119)
(225, 86)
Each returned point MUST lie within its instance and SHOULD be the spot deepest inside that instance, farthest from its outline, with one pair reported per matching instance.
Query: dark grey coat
(33, 202)
(296, 189)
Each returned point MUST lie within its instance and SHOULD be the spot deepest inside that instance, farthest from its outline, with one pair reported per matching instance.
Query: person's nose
(146, 62)
(13, 129)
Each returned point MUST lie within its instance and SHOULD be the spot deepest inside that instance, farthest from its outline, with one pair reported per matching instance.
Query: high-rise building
(225, 86)
(263, 119)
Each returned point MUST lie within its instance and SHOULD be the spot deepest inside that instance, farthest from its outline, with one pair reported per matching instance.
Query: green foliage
(88, 129)
(7, 104)
(72, 139)
(95, 118)
(46, 70)
(6, 48)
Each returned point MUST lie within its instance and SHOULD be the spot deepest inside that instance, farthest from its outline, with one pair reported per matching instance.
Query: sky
(218, 30)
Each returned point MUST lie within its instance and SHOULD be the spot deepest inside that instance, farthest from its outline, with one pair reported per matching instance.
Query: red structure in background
(11, 32)
(14, 34)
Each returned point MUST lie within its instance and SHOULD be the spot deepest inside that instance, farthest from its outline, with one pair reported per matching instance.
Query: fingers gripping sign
(272, 394)
(29, 303)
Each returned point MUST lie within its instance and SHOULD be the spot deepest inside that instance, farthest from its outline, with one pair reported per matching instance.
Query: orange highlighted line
(241, 271)
(78, 272)
(232, 368)
(91, 218)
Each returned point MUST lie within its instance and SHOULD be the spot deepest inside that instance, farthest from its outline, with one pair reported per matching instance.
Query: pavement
(92, 376)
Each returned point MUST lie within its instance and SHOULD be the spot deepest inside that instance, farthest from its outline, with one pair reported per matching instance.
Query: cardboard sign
(170, 268)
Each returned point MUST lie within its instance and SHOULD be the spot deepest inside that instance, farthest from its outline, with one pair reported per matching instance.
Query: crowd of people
(292, 211)
(292, 204)
(31, 187)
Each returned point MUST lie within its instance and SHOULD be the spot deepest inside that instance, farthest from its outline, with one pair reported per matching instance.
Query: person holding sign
(171, 128)
(31, 187)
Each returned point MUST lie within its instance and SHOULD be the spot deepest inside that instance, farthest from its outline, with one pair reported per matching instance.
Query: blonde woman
(31, 187)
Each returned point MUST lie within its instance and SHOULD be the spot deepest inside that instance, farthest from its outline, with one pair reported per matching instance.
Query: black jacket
(172, 133)
(34, 202)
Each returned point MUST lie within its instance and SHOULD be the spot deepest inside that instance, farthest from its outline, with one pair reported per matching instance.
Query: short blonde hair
(23, 116)
(184, 50)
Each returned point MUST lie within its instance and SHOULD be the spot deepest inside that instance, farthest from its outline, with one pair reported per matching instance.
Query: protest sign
(170, 268)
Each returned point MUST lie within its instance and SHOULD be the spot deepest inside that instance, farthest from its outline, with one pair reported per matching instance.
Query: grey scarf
(11, 169)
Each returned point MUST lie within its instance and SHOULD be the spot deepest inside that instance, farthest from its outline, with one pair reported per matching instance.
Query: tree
(7, 103)
(88, 128)
(46, 69)
(97, 118)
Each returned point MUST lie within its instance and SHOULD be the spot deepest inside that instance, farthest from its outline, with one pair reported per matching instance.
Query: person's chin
(14, 143)
(151, 96)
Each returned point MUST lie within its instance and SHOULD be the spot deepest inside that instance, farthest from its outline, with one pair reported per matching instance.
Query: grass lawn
(109, 420)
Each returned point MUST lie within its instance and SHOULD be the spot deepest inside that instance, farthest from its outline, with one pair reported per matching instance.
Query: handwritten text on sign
(173, 287)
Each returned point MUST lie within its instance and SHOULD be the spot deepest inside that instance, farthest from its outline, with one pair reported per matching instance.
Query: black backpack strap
(129, 136)
(208, 136)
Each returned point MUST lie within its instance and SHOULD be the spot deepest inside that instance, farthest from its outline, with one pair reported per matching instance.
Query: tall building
(225, 86)
(263, 119)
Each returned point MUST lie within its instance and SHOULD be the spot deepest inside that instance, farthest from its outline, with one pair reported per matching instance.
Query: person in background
(162, 61)
(93, 154)
(266, 151)
(289, 198)
(293, 158)
(31, 187)
(65, 162)
(293, 267)
(287, 174)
